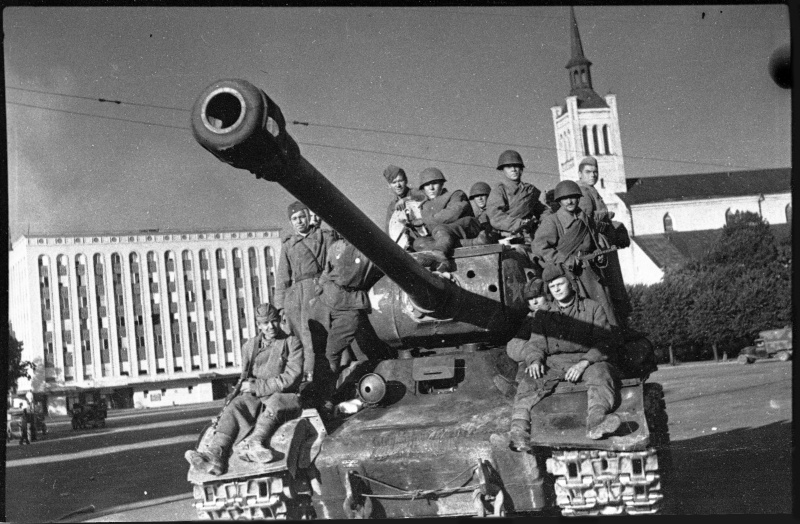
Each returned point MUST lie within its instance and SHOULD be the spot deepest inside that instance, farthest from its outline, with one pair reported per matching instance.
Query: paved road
(730, 426)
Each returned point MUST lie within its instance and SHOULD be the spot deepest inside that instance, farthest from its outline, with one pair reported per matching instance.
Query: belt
(306, 276)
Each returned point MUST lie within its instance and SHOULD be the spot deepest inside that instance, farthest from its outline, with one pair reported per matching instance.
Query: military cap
(552, 272)
(294, 207)
(266, 312)
(430, 174)
(587, 161)
(392, 172)
(533, 289)
(478, 189)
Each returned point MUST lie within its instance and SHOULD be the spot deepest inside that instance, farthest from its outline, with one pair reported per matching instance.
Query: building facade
(588, 124)
(137, 319)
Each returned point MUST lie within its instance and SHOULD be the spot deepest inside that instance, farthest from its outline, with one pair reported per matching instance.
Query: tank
(421, 447)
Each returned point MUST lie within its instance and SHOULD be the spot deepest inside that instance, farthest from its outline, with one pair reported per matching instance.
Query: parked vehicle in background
(91, 413)
(770, 343)
(14, 424)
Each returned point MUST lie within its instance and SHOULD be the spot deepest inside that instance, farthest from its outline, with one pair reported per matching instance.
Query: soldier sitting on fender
(272, 365)
(568, 340)
(448, 217)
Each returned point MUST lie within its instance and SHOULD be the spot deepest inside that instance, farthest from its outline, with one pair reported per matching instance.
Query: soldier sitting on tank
(447, 216)
(569, 339)
(513, 206)
(478, 197)
(272, 366)
(397, 181)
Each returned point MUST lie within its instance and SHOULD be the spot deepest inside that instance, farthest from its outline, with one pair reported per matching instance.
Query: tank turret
(243, 127)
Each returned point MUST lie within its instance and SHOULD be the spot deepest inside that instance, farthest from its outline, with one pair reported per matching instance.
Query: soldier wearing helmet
(513, 207)
(478, 197)
(272, 366)
(608, 234)
(568, 234)
(448, 216)
(301, 262)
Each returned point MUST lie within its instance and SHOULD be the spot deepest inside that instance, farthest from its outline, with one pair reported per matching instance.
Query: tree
(17, 368)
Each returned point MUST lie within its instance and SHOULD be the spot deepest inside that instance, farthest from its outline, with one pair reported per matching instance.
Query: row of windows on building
(668, 227)
(565, 141)
(164, 309)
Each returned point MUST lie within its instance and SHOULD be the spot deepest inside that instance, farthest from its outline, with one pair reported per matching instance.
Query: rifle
(593, 255)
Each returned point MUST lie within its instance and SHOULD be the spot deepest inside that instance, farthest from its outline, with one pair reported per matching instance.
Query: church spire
(580, 75)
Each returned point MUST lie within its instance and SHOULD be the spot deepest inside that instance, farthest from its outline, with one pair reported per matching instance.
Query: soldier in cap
(592, 204)
(514, 207)
(272, 366)
(570, 339)
(343, 307)
(448, 217)
(397, 181)
(302, 259)
(567, 235)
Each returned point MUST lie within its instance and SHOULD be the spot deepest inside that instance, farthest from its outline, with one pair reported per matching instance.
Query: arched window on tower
(789, 213)
(728, 216)
(667, 223)
(596, 143)
(585, 76)
(576, 80)
(605, 139)
(585, 141)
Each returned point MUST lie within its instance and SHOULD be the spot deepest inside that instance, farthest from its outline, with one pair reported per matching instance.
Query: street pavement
(730, 426)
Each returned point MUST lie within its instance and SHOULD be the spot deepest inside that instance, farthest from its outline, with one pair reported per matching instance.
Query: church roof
(676, 188)
(677, 247)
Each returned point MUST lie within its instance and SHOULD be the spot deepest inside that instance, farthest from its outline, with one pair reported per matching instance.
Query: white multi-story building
(657, 209)
(140, 319)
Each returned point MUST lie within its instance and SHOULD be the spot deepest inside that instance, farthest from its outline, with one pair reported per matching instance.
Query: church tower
(587, 124)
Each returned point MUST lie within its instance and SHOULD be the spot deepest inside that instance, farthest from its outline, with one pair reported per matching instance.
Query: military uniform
(594, 206)
(510, 203)
(449, 218)
(562, 235)
(301, 263)
(342, 309)
(560, 337)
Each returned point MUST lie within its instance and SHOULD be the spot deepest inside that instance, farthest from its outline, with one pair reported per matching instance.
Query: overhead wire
(349, 128)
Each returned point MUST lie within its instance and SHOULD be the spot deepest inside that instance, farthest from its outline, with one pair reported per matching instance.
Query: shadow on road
(747, 470)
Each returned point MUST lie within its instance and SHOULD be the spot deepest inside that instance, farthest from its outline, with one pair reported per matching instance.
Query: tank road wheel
(783, 356)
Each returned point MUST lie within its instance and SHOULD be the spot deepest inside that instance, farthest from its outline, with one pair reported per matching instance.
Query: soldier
(569, 339)
(513, 206)
(302, 260)
(343, 308)
(478, 196)
(397, 181)
(593, 205)
(568, 234)
(448, 217)
(272, 366)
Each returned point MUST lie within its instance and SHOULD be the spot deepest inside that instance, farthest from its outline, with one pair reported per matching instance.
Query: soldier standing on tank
(343, 306)
(272, 366)
(592, 204)
(568, 234)
(570, 339)
(513, 207)
(448, 217)
(301, 262)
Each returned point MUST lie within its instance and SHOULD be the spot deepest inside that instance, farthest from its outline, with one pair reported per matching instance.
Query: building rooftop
(670, 188)
(677, 247)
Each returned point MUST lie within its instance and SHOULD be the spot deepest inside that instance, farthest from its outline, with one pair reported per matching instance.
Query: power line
(96, 116)
(95, 99)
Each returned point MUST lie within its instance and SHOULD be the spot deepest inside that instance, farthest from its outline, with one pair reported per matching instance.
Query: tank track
(268, 497)
(593, 482)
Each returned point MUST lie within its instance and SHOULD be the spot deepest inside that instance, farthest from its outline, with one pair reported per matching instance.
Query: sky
(446, 87)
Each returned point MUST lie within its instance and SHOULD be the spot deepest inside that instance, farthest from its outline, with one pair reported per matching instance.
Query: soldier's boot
(442, 264)
(517, 438)
(254, 450)
(599, 423)
(213, 460)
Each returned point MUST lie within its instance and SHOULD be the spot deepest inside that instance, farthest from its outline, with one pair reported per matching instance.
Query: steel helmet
(509, 158)
(429, 175)
(566, 188)
(478, 189)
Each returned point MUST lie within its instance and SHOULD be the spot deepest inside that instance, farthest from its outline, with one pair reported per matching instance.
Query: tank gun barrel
(239, 124)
